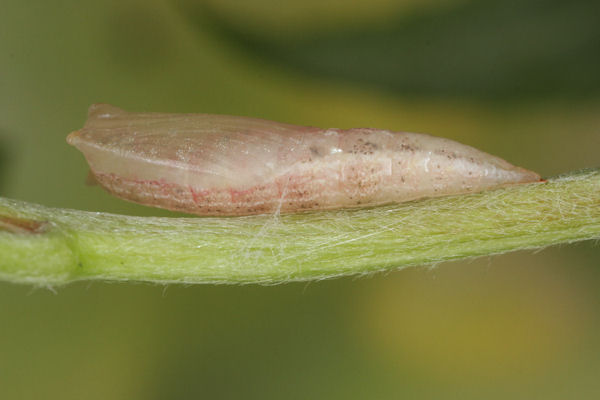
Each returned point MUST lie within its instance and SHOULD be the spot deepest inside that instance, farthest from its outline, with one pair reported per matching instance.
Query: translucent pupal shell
(225, 165)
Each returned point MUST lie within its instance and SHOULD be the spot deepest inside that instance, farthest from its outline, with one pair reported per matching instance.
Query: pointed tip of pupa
(527, 176)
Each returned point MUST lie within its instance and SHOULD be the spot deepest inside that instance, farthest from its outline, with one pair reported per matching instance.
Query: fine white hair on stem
(270, 249)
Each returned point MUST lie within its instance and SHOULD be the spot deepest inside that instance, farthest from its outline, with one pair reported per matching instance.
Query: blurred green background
(518, 79)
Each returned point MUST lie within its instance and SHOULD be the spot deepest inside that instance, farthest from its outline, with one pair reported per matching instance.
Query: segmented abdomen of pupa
(226, 165)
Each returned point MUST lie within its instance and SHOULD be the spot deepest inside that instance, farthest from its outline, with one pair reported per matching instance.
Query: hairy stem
(53, 246)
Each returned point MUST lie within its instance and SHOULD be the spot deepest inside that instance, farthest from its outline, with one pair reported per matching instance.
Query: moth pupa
(225, 165)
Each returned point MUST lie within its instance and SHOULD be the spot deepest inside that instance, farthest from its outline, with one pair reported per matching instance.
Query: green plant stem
(48, 246)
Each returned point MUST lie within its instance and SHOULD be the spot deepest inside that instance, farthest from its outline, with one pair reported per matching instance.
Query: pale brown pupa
(225, 165)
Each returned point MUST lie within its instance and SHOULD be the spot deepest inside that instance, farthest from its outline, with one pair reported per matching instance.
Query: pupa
(228, 166)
